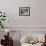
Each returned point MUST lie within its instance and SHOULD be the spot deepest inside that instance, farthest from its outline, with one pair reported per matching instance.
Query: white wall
(39, 13)
(11, 7)
(37, 16)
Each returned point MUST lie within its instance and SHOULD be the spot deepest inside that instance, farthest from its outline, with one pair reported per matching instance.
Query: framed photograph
(24, 11)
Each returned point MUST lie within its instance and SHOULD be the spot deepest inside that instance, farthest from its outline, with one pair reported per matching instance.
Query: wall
(37, 17)
(11, 7)
(38, 13)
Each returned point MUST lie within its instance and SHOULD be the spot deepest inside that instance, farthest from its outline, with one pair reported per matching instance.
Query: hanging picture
(24, 11)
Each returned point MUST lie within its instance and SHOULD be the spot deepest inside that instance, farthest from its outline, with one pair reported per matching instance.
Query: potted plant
(2, 19)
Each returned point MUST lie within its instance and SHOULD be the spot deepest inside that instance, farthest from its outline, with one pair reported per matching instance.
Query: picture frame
(24, 11)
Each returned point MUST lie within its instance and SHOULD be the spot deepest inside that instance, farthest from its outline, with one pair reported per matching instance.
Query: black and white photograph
(24, 11)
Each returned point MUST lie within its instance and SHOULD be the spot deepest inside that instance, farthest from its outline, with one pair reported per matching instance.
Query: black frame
(24, 11)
